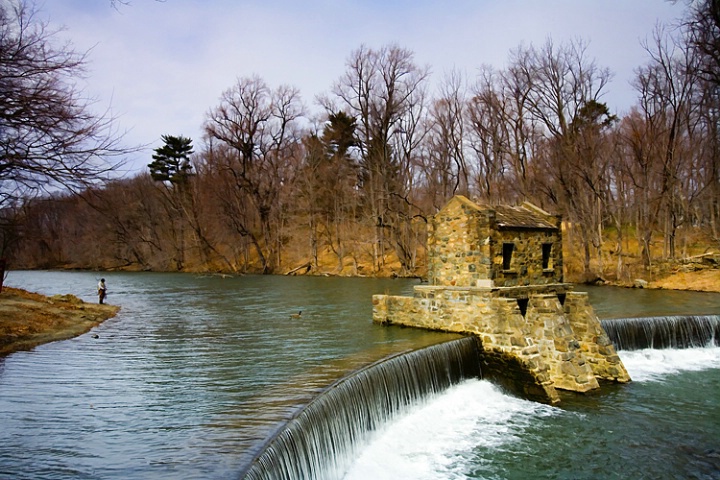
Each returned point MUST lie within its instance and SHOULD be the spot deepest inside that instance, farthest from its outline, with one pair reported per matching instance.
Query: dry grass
(29, 319)
(701, 281)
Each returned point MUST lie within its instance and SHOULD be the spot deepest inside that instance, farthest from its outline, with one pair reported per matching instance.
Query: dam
(188, 388)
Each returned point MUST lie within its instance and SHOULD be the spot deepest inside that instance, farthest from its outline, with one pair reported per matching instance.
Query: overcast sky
(161, 66)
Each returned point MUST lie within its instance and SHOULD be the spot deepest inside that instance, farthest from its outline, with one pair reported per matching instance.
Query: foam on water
(433, 439)
(654, 365)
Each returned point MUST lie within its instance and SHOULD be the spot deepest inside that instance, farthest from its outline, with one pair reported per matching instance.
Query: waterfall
(322, 438)
(663, 332)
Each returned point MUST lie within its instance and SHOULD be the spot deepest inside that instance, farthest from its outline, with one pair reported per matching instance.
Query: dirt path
(29, 319)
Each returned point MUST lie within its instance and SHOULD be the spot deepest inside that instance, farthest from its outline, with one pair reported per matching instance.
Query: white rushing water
(432, 440)
(436, 440)
(654, 365)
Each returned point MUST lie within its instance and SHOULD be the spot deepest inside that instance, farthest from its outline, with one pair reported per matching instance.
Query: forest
(347, 189)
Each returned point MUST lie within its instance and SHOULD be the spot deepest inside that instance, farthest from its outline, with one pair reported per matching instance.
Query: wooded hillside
(269, 189)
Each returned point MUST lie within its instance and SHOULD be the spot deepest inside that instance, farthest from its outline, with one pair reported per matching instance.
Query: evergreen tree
(171, 162)
(171, 166)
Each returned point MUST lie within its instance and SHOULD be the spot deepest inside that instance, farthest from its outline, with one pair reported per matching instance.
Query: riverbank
(30, 319)
(706, 280)
(700, 281)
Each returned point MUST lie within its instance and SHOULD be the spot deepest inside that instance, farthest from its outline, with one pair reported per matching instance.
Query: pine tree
(171, 162)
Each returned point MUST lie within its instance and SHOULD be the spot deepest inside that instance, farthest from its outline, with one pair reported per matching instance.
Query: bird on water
(296, 315)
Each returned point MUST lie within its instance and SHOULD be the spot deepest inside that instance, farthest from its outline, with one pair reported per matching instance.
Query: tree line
(270, 186)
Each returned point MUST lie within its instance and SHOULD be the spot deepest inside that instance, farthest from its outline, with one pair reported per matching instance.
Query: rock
(640, 283)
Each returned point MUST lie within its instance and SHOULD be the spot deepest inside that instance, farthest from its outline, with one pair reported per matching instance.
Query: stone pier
(497, 274)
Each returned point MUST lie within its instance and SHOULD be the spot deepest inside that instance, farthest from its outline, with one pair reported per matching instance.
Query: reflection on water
(189, 377)
(617, 302)
(195, 371)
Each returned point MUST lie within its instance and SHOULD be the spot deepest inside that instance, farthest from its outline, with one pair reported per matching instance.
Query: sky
(160, 66)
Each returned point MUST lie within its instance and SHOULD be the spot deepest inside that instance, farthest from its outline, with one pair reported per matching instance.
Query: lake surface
(196, 371)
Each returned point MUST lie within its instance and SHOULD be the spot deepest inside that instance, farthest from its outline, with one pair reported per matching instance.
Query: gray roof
(526, 216)
(522, 217)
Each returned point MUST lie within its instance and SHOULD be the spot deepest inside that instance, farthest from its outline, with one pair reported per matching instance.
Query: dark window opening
(523, 303)
(507, 255)
(561, 297)
(546, 252)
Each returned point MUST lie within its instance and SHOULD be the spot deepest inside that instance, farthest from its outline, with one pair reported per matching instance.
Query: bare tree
(49, 135)
(563, 98)
(50, 138)
(665, 87)
(504, 134)
(490, 120)
(703, 36)
(260, 128)
(330, 206)
(445, 169)
(383, 90)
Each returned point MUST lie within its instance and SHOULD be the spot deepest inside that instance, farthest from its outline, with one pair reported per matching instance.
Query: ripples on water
(189, 378)
(195, 372)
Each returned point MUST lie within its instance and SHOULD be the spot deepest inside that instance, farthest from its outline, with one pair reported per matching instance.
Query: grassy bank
(29, 319)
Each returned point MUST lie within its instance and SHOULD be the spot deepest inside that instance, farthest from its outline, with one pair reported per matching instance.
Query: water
(685, 331)
(196, 372)
(664, 425)
(322, 440)
(190, 378)
(615, 302)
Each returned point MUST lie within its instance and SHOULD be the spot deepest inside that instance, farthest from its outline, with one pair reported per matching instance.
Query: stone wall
(595, 344)
(458, 245)
(556, 346)
(526, 266)
(465, 248)
(536, 334)
(548, 328)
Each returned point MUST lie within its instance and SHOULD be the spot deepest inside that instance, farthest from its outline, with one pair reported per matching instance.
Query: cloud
(163, 65)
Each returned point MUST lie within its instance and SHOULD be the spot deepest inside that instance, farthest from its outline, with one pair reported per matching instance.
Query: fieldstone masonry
(496, 273)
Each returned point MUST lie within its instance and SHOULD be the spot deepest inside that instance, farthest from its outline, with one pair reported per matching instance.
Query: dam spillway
(321, 440)
(677, 331)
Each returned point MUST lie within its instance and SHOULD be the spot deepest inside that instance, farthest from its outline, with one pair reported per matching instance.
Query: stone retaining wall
(557, 342)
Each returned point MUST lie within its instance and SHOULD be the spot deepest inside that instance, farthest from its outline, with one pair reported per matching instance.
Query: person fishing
(102, 290)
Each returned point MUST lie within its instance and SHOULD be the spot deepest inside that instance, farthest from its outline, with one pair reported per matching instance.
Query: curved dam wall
(323, 437)
(321, 440)
(679, 331)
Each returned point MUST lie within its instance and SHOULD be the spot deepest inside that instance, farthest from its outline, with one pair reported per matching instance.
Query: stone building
(501, 246)
(497, 273)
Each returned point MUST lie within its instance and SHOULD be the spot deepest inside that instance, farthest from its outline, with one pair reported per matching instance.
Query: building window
(507, 255)
(546, 255)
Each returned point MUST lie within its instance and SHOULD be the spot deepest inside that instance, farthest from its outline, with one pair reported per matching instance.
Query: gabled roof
(524, 216)
(463, 200)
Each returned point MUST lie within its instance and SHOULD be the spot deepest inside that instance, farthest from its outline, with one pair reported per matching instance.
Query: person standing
(102, 290)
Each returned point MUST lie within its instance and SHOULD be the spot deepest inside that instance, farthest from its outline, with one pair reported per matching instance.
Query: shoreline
(707, 281)
(29, 319)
